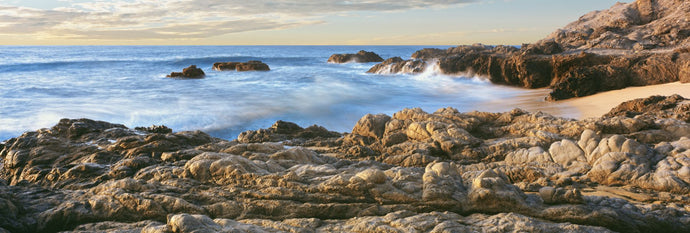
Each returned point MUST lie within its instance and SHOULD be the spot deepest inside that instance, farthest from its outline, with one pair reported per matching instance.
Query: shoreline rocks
(446, 170)
(632, 44)
(191, 72)
(241, 66)
(359, 57)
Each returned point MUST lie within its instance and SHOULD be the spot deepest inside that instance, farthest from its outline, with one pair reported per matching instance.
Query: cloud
(183, 19)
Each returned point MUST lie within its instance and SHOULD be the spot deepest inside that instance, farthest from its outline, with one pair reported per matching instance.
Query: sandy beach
(601, 103)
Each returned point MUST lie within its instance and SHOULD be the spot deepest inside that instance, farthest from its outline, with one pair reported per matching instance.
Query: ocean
(127, 85)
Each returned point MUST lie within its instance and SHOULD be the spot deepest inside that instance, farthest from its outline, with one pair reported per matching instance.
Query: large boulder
(359, 57)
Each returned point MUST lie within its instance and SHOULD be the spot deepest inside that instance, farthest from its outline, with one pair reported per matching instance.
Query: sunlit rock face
(645, 42)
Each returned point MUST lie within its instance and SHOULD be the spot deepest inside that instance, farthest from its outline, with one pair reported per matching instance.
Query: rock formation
(189, 72)
(410, 172)
(241, 66)
(635, 44)
(360, 57)
(640, 25)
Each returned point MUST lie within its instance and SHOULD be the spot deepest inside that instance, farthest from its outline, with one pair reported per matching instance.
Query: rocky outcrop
(413, 171)
(643, 24)
(634, 44)
(189, 72)
(359, 57)
(241, 66)
(282, 131)
(674, 106)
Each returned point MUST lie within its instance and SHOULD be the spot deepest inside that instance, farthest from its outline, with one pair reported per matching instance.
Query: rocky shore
(645, 42)
(414, 171)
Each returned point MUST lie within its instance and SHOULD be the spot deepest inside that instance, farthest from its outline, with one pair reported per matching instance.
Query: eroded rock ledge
(635, 44)
(414, 171)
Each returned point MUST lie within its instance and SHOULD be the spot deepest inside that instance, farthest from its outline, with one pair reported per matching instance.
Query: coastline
(601, 103)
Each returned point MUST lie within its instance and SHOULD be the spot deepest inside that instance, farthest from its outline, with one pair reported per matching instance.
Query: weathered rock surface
(674, 106)
(241, 66)
(411, 172)
(635, 44)
(189, 72)
(359, 57)
(642, 24)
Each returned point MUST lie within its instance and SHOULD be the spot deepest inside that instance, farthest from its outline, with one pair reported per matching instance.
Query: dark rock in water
(445, 171)
(360, 57)
(224, 66)
(189, 72)
(253, 66)
(241, 66)
(398, 65)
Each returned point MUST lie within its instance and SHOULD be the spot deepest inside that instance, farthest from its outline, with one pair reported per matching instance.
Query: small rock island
(188, 73)
(241, 66)
(359, 57)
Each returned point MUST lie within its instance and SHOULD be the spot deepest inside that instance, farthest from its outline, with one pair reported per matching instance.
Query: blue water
(127, 84)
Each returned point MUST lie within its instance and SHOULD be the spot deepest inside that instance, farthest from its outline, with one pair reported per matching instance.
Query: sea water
(127, 85)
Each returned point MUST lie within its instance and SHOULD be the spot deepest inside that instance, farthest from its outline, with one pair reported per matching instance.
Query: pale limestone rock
(417, 131)
(552, 195)
(372, 125)
(372, 175)
(491, 192)
(185, 223)
(525, 156)
(617, 143)
(311, 170)
(566, 152)
(619, 168)
(297, 155)
(442, 183)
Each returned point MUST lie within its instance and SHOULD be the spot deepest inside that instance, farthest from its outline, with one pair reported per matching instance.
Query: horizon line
(66, 45)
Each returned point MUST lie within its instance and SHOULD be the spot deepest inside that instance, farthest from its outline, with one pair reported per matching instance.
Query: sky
(286, 22)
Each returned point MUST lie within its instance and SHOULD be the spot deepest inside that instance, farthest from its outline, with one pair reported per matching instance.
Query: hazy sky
(315, 22)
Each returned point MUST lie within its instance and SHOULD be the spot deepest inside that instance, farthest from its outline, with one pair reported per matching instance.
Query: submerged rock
(189, 72)
(359, 57)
